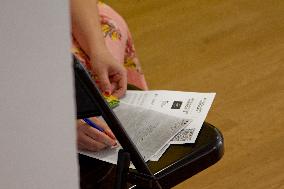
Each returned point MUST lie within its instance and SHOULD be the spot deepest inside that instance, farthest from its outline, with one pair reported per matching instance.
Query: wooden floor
(236, 49)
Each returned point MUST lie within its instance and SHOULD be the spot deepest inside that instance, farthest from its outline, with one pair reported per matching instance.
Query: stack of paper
(156, 119)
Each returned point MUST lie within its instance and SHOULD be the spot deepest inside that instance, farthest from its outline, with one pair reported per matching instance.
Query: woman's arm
(86, 29)
(86, 26)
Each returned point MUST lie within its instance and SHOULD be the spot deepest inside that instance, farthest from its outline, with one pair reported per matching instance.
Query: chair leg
(122, 169)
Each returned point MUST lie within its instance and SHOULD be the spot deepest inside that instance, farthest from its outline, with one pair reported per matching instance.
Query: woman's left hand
(112, 76)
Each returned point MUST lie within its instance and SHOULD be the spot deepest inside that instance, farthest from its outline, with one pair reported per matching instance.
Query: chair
(179, 163)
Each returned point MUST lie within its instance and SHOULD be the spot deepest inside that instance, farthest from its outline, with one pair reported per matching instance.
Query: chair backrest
(179, 163)
(95, 104)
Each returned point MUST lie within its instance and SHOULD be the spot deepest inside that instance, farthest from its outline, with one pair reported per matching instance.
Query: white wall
(37, 133)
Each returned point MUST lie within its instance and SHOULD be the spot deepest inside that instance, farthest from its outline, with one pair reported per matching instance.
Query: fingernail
(115, 145)
(107, 93)
(112, 144)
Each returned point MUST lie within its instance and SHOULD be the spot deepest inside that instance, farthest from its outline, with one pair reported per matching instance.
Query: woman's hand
(112, 76)
(86, 28)
(91, 139)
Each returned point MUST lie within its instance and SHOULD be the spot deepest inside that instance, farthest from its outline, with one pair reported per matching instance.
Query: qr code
(184, 135)
(176, 105)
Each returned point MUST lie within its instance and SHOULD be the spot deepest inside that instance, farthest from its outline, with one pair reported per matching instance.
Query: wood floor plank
(236, 49)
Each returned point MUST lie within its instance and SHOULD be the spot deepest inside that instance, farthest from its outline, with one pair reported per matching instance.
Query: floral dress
(119, 42)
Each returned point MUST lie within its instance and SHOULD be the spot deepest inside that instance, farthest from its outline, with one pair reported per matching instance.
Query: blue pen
(92, 124)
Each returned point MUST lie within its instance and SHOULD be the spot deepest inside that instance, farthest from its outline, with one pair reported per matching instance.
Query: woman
(102, 41)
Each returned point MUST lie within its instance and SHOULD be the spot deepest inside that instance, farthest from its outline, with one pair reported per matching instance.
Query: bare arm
(86, 26)
(87, 30)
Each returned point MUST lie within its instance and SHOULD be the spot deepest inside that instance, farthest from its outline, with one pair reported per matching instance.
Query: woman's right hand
(91, 139)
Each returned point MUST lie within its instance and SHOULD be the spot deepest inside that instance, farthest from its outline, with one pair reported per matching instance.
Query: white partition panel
(37, 133)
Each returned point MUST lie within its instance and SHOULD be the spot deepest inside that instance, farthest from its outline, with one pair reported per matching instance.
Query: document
(156, 119)
(149, 130)
(187, 105)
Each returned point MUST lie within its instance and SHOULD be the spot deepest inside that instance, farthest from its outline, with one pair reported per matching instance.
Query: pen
(92, 124)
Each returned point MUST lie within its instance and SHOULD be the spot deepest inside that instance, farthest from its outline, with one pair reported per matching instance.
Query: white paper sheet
(155, 119)
(187, 105)
(149, 130)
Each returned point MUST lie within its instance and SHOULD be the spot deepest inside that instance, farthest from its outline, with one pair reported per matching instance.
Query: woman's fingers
(100, 137)
(104, 82)
(104, 126)
(121, 84)
(87, 143)
(91, 139)
(109, 71)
